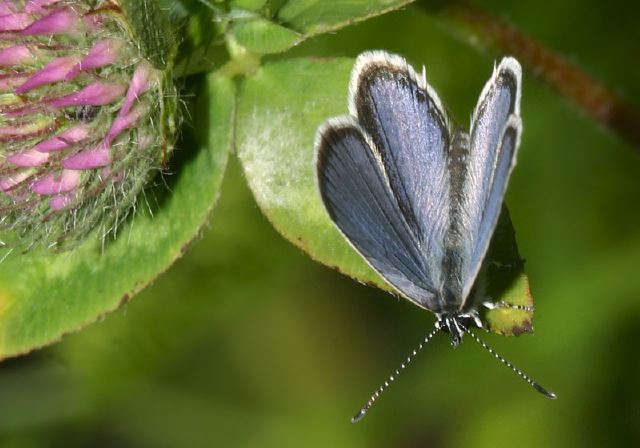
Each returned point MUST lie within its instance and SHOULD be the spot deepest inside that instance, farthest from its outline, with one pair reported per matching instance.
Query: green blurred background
(246, 342)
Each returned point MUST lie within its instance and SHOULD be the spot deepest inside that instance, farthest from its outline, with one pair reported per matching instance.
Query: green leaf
(259, 35)
(279, 109)
(313, 17)
(503, 278)
(257, 27)
(249, 5)
(300, 19)
(44, 296)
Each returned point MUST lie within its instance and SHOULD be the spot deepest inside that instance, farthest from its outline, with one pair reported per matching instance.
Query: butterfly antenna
(363, 411)
(520, 373)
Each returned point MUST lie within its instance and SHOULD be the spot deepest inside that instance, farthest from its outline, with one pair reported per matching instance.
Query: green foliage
(250, 5)
(261, 28)
(279, 110)
(260, 35)
(319, 16)
(246, 342)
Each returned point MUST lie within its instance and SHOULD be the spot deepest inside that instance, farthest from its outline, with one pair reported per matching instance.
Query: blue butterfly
(418, 198)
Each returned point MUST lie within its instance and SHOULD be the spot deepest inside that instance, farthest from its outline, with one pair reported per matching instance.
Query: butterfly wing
(406, 122)
(383, 175)
(355, 190)
(495, 135)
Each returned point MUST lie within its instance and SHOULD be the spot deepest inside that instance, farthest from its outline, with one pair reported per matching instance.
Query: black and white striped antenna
(530, 381)
(363, 411)
(374, 397)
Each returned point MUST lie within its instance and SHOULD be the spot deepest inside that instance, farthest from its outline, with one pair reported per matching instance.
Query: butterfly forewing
(356, 193)
(495, 135)
(406, 122)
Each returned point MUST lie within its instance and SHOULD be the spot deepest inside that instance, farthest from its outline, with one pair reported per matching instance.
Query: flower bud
(85, 119)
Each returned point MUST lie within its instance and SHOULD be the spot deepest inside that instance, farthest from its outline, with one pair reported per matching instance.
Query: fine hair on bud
(87, 118)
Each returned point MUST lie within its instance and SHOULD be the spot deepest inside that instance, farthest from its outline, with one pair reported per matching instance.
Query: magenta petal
(103, 53)
(139, 84)
(38, 6)
(18, 54)
(28, 158)
(8, 182)
(88, 159)
(15, 22)
(54, 71)
(70, 136)
(95, 94)
(63, 20)
(7, 7)
(61, 201)
(122, 123)
(50, 184)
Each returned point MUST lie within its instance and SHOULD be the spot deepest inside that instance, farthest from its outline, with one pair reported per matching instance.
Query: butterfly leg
(502, 304)
(471, 316)
(512, 265)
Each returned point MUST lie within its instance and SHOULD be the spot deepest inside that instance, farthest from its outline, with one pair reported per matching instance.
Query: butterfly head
(457, 324)
(452, 324)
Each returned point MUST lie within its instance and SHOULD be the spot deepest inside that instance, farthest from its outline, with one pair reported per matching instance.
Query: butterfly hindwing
(495, 135)
(355, 190)
(408, 125)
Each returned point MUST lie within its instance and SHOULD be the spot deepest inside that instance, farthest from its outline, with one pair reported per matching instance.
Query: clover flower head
(85, 119)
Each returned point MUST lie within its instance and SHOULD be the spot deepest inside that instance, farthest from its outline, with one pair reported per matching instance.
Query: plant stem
(590, 95)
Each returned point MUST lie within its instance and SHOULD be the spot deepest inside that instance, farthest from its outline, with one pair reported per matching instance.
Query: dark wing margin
(495, 136)
(355, 191)
(408, 125)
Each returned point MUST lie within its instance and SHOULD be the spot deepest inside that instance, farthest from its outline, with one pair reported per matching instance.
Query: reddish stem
(565, 77)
